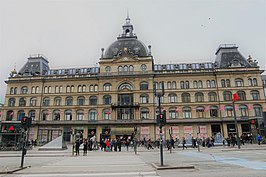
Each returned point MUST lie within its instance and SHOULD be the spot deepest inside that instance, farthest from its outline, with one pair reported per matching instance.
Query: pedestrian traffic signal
(161, 118)
(25, 122)
(252, 121)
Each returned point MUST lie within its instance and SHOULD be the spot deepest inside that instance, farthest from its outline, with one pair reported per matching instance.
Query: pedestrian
(258, 138)
(77, 146)
(184, 143)
(149, 144)
(85, 147)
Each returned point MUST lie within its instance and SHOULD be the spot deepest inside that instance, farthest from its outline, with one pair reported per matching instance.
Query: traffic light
(26, 122)
(161, 118)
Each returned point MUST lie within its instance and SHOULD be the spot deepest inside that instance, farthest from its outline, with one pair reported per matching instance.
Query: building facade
(116, 97)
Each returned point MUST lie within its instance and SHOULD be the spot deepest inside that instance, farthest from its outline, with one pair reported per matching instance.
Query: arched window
(255, 83)
(22, 102)
(185, 97)
(199, 97)
(200, 111)
(125, 68)
(229, 111)
(93, 100)
(80, 115)
(168, 85)
(213, 111)
(199, 84)
(208, 83)
(187, 84)
(9, 115)
(228, 83)
(257, 110)
(68, 115)
(174, 85)
(56, 89)
(21, 113)
(107, 114)
(79, 88)
(242, 95)
(11, 90)
(15, 90)
(33, 90)
(195, 84)
(96, 88)
(131, 68)
(144, 98)
(46, 101)
(144, 113)
(24, 90)
(182, 85)
(57, 101)
(144, 86)
(68, 89)
(72, 88)
(91, 88)
(155, 84)
(107, 99)
(81, 101)
(45, 89)
(33, 101)
(243, 110)
(212, 96)
(227, 96)
(223, 83)
(172, 98)
(92, 115)
(239, 82)
(61, 89)
(213, 85)
(45, 115)
(11, 102)
(49, 89)
(32, 114)
(56, 115)
(120, 69)
(187, 112)
(107, 87)
(173, 114)
(69, 101)
(125, 86)
(255, 95)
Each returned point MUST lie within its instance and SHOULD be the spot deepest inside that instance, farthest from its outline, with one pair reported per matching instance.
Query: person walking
(184, 143)
(259, 138)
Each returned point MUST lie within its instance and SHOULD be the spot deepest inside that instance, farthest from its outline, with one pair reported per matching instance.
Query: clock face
(143, 67)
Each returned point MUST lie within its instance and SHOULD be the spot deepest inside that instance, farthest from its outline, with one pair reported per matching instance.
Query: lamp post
(161, 119)
(236, 98)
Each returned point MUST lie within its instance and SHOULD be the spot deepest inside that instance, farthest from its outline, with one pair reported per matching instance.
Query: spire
(127, 29)
(127, 19)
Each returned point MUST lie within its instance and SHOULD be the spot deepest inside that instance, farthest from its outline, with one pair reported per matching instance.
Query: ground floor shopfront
(44, 134)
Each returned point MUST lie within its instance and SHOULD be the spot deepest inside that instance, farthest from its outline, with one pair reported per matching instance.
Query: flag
(235, 97)
(177, 109)
(11, 114)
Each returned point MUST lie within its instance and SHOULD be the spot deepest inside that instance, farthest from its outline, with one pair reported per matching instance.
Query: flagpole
(237, 135)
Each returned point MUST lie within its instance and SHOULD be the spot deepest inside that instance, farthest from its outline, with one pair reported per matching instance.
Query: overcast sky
(71, 33)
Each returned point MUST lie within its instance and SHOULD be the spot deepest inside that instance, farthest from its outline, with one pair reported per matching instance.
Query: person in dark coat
(85, 147)
(184, 143)
(77, 144)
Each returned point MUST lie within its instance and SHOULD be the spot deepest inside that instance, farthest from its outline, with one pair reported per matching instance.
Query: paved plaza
(249, 161)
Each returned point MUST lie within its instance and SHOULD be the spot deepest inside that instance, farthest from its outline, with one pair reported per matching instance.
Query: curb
(14, 170)
(168, 167)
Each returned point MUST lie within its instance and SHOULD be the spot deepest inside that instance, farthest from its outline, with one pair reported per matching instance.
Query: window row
(144, 98)
(145, 113)
(239, 82)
